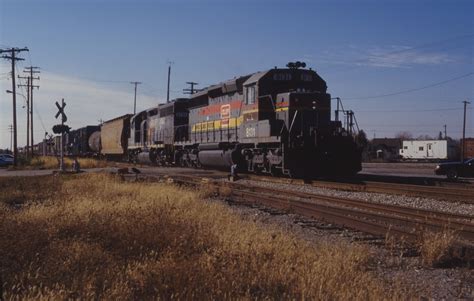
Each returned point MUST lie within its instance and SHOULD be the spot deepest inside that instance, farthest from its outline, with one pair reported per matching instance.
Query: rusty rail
(374, 218)
(459, 194)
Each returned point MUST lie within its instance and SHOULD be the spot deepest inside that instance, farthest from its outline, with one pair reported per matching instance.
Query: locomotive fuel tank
(220, 158)
(145, 157)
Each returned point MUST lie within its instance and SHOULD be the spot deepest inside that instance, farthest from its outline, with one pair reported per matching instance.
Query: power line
(407, 111)
(41, 119)
(412, 90)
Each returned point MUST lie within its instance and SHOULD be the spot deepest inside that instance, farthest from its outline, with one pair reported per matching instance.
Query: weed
(435, 246)
(51, 162)
(102, 238)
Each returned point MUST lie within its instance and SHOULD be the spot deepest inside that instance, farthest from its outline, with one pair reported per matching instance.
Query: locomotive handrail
(293, 121)
(271, 100)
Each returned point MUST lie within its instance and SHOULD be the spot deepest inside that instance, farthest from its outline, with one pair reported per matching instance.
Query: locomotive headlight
(314, 108)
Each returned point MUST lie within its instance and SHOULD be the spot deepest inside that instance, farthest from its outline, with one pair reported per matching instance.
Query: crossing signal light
(61, 129)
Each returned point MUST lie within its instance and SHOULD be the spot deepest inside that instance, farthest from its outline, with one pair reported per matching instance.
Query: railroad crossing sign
(61, 111)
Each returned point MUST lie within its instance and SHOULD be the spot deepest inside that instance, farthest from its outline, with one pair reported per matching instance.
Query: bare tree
(404, 135)
(424, 137)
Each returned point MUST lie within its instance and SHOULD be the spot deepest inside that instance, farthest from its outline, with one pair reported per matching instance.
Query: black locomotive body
(156, 133)
(276, 122)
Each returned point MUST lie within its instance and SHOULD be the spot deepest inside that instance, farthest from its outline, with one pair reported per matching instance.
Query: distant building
(468, 148)
(384, 149)
(428, 150)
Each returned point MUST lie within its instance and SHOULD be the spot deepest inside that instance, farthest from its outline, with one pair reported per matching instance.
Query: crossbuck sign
(61, 111)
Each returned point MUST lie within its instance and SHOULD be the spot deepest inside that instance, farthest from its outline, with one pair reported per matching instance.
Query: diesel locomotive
(274, 122)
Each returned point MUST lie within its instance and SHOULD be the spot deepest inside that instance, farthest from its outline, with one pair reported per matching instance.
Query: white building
(427, 150)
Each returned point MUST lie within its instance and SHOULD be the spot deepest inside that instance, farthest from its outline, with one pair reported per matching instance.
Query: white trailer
(427, 150)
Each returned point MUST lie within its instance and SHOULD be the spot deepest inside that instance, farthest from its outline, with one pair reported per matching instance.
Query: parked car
(453, 170)
(6, 159)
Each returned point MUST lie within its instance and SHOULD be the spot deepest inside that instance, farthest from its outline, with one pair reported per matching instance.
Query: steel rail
(464, 195)
(380, 224)
(392, 214)
(362, 204)
(372, 218)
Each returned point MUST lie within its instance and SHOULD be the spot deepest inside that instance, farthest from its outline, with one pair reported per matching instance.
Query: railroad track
(459, 194)
(453, 192)
(403, 223)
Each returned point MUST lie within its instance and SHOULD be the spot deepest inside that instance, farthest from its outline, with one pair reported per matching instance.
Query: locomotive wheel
(182, 162)
(197, 164)
(257, 169)
(274, 171)
(296, 174)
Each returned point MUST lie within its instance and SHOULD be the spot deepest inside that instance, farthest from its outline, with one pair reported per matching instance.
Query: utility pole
(191, 90)
(445, 132)
(27, 112)
(464, 131)
(29, 106)
(10, 128)
(169, 77)
(135, 99)
(13, 59)
(32, 71)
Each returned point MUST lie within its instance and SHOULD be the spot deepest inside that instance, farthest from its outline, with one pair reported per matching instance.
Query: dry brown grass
(435, 246)
(103, 238)
(48, 162)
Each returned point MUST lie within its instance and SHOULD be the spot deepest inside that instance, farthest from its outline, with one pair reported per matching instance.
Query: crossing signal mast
(61, 129)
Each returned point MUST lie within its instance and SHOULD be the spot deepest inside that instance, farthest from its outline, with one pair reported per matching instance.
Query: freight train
(274, 122)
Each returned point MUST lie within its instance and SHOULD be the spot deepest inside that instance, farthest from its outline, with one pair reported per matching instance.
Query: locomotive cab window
(306, 77)
(250, 95)
(282, 76)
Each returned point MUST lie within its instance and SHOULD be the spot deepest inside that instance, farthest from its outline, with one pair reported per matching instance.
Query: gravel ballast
(380, 198)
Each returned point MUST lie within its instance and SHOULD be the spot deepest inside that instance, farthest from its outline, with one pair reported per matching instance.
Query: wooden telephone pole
(32, 71)
(190, 90)
(169, 78)
(27, 112)
(13, 58)
(29, 106)
(135, 99)
(464, 131)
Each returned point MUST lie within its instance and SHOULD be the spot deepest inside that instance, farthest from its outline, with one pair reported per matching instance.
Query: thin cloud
(393, 56)
(403, 56)
(87, 103)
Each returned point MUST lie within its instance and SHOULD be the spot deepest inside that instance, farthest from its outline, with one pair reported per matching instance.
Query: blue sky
(89, 51)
